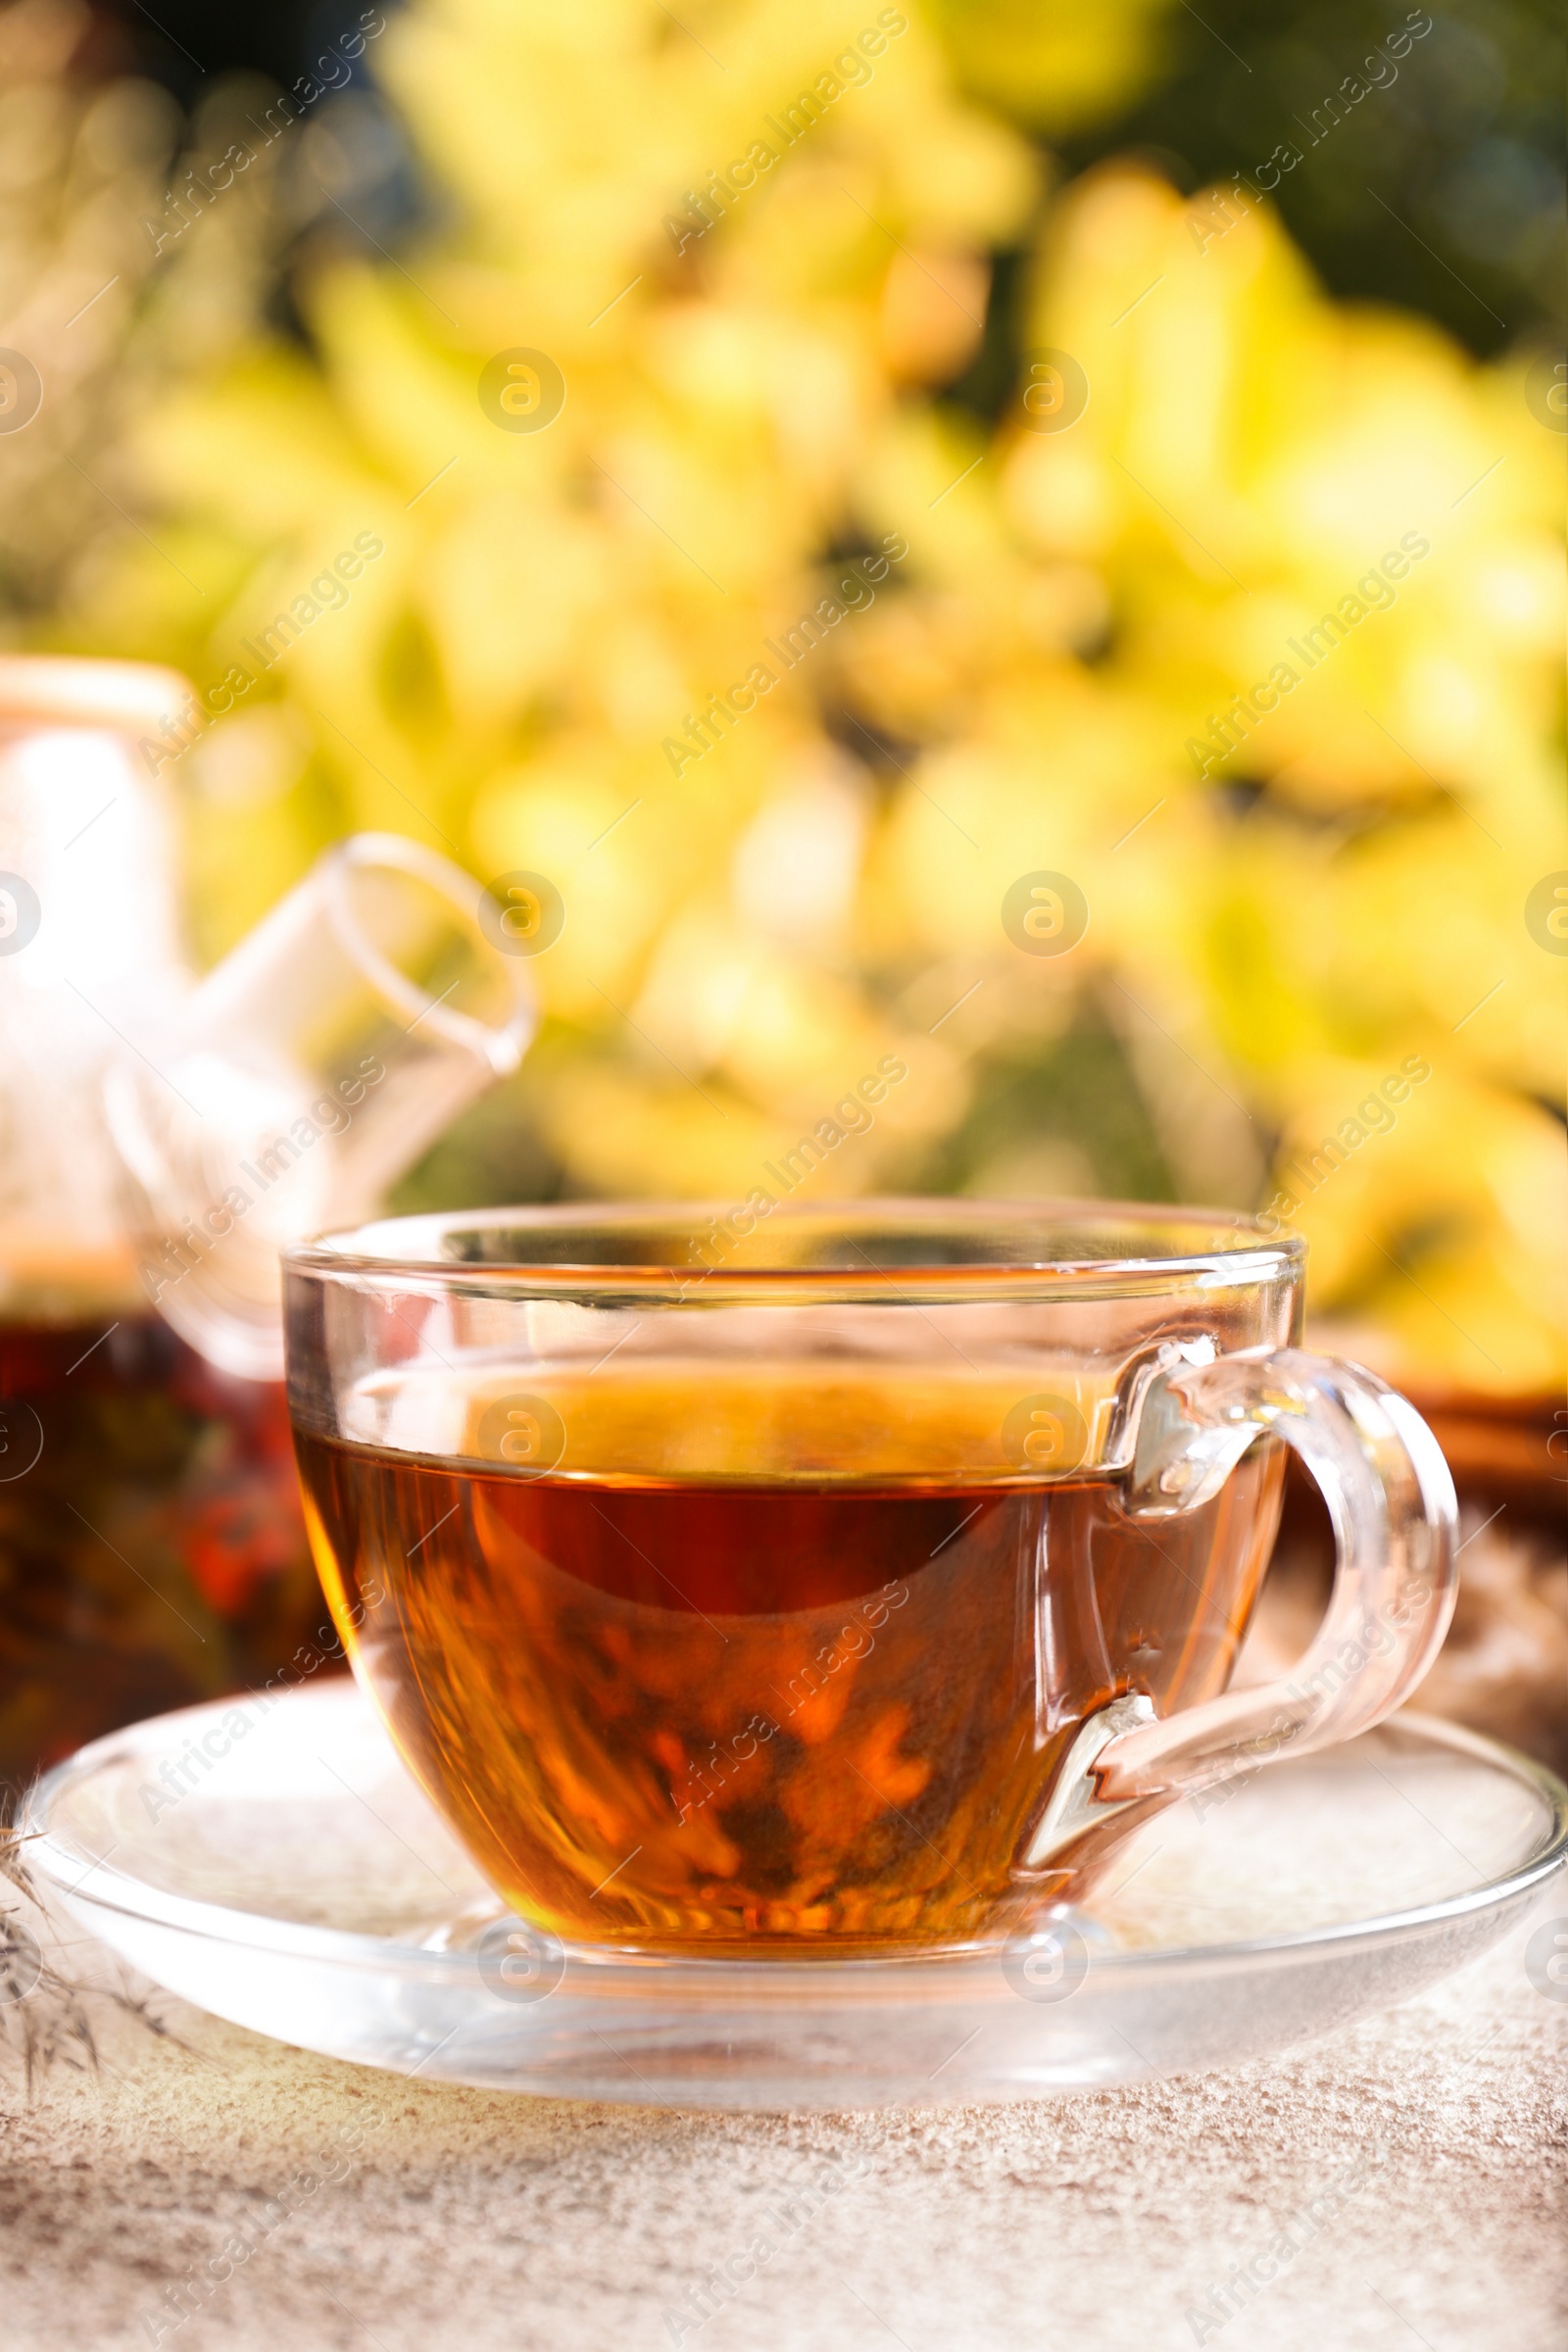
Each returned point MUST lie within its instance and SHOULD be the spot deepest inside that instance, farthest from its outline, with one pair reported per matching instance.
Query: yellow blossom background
(749, 410)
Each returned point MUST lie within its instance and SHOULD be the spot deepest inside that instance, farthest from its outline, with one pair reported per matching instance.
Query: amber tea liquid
(151, 1547)
(805, 1708)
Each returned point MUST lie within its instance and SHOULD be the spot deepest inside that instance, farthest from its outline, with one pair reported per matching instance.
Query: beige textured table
(1419, 2162)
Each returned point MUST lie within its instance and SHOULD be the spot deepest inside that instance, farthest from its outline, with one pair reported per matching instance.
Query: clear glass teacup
(841, 1578)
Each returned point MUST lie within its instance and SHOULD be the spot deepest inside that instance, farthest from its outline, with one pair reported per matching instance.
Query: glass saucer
(273, 1862)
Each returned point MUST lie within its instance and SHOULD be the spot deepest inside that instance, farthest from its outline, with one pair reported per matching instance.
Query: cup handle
(1391, 1498)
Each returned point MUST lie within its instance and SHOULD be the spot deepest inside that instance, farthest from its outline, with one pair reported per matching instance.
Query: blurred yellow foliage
(1053, 63)
(1286, 900)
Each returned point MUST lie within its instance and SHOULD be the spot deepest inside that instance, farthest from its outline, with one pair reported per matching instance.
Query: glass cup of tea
(834, 1579)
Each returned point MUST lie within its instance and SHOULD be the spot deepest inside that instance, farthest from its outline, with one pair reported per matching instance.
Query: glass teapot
(160, 1137)
(195, 1127)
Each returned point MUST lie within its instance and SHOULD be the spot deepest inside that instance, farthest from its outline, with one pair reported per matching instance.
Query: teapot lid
(64, 690)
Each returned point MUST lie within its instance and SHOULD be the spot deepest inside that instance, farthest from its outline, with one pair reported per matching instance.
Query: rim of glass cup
(1226, 1249)
(503, 1046)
